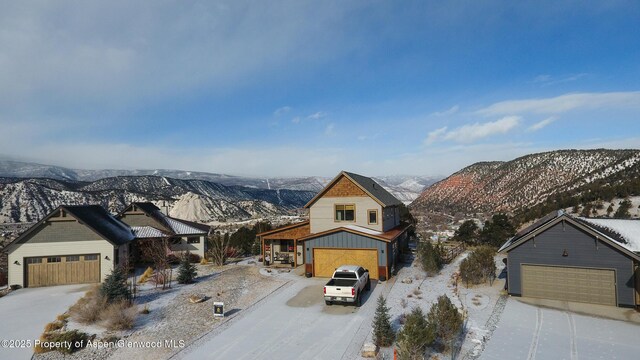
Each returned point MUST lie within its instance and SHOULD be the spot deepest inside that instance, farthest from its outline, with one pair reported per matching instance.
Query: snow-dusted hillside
(28, 200)
(526, 181)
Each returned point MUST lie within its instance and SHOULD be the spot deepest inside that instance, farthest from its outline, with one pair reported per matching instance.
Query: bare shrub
(67, 342)
(119, 316)
(404, 303)
(62, 317)
(87, 309)
(53, 326)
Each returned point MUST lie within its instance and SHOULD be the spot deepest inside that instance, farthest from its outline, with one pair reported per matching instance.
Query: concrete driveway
(292, 324)
(25, 312)
(529, 332)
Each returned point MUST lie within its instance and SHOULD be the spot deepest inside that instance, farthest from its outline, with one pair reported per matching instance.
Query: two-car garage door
(62, 270)
(325, 261)
(596, 286)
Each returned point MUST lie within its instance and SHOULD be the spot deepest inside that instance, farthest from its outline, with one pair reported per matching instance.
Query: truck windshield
(344, 275)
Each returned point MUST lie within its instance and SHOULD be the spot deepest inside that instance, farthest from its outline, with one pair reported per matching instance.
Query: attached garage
(62, 270)
(327, 260)
(71, 245)
(567, 258)
(594, 286)
(376, 252)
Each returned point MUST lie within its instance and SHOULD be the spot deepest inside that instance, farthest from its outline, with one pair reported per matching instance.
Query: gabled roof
(147, 232)
(368, 185)
(95, 217)
(588, 225)
(170, 224)
(387, 236)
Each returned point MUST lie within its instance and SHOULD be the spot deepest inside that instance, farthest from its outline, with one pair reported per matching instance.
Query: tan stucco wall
(102, 247)
(198, 249)
(322, 213)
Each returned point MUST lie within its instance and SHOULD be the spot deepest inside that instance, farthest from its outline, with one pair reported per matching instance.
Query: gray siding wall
(60, 231)
(582, 251)
(140, 220)
(345, 239)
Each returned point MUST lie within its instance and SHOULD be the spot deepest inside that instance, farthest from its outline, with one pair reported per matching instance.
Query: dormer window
(345, 212)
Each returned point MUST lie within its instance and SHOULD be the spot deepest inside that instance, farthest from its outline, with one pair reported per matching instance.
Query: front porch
(281, 246)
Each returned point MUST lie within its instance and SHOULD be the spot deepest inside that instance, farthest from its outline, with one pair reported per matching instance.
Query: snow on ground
(25, 312)
(412, 289)
(529, 332)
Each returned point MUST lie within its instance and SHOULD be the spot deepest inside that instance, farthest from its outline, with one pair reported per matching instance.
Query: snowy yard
(173, 318)
(412, 289)
(529, 332)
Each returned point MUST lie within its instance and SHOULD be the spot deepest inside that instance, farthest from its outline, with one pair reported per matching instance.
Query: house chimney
(164, 208)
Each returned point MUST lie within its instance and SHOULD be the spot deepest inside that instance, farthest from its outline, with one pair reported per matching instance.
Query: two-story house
(353, 220)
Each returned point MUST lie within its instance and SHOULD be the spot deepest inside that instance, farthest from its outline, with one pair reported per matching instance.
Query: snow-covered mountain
(28, 200)
(405, 187)
(526, 181)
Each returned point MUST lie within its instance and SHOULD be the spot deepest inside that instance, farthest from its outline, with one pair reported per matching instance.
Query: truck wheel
(368, 286)
(328, 302)
(358, 301)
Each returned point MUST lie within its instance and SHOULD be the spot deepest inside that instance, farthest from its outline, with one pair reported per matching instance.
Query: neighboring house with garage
(352, 221)
(71, 245)
(149, 222)
(82, 244)
(575, 259)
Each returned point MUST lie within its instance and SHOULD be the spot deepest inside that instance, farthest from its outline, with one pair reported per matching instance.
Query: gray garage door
(595, 286)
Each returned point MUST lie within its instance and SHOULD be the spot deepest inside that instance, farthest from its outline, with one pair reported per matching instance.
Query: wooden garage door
(595, 286)
(325, 261)
(62, 270)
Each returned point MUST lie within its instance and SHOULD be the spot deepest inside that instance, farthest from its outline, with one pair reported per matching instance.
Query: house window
(193, 240)
(345, 212)
(73, 258)
(54, 259)
(34, 260)
(90, 257)
(373, 216)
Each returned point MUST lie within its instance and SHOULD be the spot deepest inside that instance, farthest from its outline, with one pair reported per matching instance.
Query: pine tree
(115, 286)
(416, 335)
(446, 320)
(186, 270)
(382, 332)
(429, 258)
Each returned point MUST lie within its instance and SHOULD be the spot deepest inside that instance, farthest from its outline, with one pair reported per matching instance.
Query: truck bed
(342, 282)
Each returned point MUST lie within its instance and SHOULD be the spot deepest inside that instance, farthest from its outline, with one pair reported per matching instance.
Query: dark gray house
(568, 258)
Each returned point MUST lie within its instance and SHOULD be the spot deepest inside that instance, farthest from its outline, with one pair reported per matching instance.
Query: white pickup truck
(347, 285)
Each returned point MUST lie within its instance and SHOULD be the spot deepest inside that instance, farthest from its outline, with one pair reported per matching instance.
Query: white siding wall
(102, 247)
(192, 248)
(322, 213)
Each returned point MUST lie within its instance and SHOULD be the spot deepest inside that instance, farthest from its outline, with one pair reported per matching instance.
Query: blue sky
(290, 88)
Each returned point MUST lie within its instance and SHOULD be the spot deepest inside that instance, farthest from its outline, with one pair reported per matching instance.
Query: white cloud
(452, 110)
(317, 115)
(435, 135)
(330, 129)
(296, 120)
(541, 124)
(472, 132)
(550, 80)
(281, 111)
(564, 103)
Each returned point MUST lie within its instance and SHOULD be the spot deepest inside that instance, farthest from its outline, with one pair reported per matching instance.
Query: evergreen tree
(623, 210)
(115, 286)
(430, 259)
(497, 230)
(382, 332)
(446, 320)
(416, 335)
(467, 232)
(186, 270)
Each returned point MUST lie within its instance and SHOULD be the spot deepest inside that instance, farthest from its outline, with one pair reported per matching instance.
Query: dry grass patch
(88, 308)
(66, 342)
(119, 316)
(53, 326)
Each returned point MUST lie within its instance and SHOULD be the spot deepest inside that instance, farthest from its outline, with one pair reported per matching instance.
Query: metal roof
(146, 232)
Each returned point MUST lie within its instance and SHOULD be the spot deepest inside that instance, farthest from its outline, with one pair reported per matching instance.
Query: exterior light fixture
(565, 253)
(107, 258)
(16, 262)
